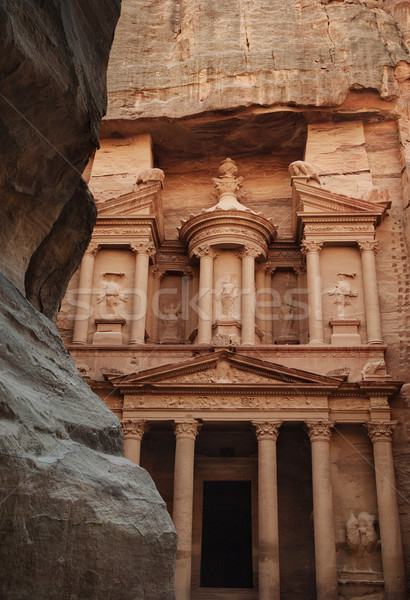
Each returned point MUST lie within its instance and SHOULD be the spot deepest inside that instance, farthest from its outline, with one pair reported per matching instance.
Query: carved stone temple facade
(234, 326)
(243, 305)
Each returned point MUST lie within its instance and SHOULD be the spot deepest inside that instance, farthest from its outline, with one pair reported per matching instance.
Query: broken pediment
(226, 369)
(310, 200)
(144, 200)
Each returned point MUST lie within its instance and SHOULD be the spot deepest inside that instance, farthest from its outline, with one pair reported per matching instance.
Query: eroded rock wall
(77, 519)
(180, 57)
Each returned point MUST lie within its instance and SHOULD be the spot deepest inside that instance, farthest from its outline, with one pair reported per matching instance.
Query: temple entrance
(226, 551)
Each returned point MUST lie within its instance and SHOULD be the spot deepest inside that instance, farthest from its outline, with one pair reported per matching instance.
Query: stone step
(224, 594)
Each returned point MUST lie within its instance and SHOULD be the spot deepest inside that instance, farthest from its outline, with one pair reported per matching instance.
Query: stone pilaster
(381, 434)
(83, 309)
(143, 252)
(185, 432)
(314, 283)
(268, 528)
(371, 294)
(261, 300)
(323, 517)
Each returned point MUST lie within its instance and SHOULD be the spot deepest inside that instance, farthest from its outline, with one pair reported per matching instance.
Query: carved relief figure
(227, 297)
(111, 296)
(286, 319)
(361, 535)
(342, 291)
(171, 322)
(301, 168)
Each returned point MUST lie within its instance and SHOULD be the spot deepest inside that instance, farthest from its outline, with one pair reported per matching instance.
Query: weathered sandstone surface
(77, 519)
(177, 58)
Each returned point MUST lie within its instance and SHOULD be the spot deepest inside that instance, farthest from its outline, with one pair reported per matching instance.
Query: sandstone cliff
(77, 519)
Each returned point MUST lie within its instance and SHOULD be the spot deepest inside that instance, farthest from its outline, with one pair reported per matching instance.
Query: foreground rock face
(77, 519)
(53, 59)
(199, 56)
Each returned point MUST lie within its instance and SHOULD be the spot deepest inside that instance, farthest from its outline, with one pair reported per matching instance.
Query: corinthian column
(185, 432)
(323, 518)
(139, 307)
(371, 294)
(314, 283)
(268, 528)
(248, 256)
(381, 435)
(83, 309)
(133, 433)
(206, 280)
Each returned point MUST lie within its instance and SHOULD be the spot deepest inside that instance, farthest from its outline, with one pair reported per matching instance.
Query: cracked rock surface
(175, 58)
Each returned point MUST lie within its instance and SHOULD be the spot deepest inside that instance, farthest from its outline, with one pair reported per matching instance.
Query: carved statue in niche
(227, 297)
(286, 320)
(111, 296)
(341, 291)
(171, 322)
(361, 535)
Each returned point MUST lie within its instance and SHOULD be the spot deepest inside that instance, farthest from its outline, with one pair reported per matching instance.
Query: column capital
(261, 268)
(381, 432)
(143, 247)
(158, 273)
(368, 246)
(134, 429)
(206, 250)
(188, 272)
(267, 430)
(299, 269)
(248, 251)
(311, 247)
(188, 429)
(319, 431)
(92, 249)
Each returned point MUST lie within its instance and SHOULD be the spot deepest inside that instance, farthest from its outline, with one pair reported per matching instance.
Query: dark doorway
(226, 553)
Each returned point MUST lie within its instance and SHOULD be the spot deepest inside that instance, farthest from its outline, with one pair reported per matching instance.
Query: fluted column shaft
(82, 313)
(186, 432)
(248, 296)
(381, 435)
(206, 279)
(371, 294)
(139, 305)
(314, 284)
(133, 434)
(268, 527)
(323, 517)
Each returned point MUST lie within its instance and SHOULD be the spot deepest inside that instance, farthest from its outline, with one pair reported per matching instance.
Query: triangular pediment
(224, 368)
(309, 200)
(146, 200)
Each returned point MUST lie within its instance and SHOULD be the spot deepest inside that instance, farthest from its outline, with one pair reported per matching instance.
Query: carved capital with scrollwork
(92, 249)
(158, 273)
(143, 247)
(381, 432)
(311, 247)
(369, 246)
(299, 269)
(206, 250)
(134, 429)
(267, 430)
(187, 429)
(248, 251)
(319, 431)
